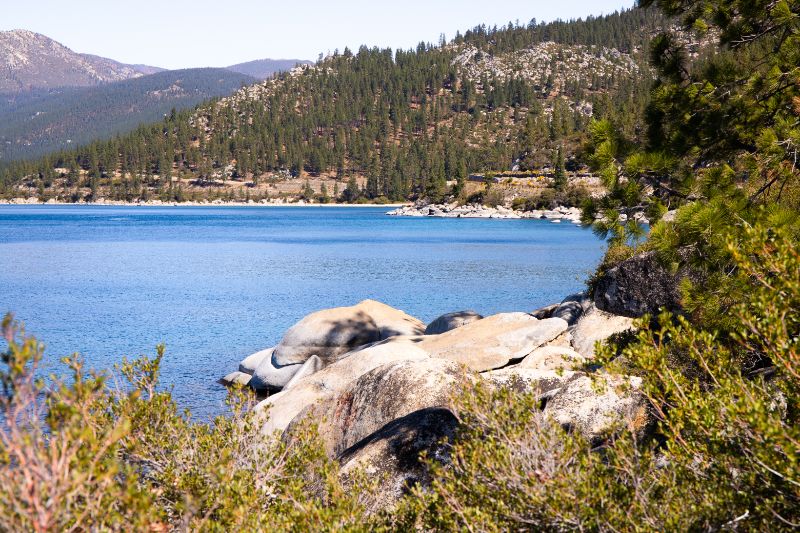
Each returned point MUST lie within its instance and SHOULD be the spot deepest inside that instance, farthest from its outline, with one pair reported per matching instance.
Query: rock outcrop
(378, 385)
(570, 214)
(381, 396)
(596, 325)
(332, 332)
(594, 407)
(280, 409)
(494, 341)
(451, 321)
(638, 286)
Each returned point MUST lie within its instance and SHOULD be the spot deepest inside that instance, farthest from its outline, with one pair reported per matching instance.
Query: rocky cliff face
(30, 60)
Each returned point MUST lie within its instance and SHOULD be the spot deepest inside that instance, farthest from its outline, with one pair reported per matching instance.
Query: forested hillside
(76, 116)
(402, 122)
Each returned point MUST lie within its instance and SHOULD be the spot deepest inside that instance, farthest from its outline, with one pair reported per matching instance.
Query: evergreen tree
(308, 192)
(351, 192)
(559, 175)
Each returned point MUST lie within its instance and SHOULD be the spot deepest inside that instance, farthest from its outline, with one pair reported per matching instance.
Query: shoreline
(25, 202)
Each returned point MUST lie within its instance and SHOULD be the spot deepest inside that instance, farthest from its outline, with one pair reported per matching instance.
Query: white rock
(279, 410)
(596, 325)
(251, 362)
(493, 341)
(593, 407)
(236, 378)
(270, 377)
(312, 365)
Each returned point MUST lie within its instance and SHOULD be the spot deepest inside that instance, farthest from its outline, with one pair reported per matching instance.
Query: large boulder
(572, 308)
(391, 322)
(638, 286)
(279, 410)
(380, 396)
(327, 334)
(269, 377)
(494, 341)
(596, 325)
(392, 455)
(451, 321)
(596, 406)
(331, 333)
(250, 363)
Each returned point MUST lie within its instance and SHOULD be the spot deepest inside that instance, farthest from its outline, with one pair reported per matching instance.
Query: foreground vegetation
(94, 454)
(721, 375)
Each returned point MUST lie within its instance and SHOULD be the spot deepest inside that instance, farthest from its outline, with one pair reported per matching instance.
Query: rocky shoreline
(220, 203)
(371, 376)
(454, 210)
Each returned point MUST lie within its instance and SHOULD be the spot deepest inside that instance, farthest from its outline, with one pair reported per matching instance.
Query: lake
(218, 283)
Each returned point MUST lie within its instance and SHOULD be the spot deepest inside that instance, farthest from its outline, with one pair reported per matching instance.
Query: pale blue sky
(194, 33)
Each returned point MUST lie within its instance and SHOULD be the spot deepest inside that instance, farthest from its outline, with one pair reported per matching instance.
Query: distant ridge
(52, 98)
(265, 68)
(30, 61)
(56, 119)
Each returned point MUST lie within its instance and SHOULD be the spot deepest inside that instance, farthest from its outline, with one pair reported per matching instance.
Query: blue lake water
(218, 283)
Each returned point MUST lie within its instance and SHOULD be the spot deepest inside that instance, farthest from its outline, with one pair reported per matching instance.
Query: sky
(198, 33)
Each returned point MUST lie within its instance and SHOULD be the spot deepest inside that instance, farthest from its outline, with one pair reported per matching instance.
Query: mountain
(61, 118)
(30, 60)
(265, 68)
(402, 123)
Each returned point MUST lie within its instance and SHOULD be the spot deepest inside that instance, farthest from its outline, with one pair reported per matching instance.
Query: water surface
(218, 283)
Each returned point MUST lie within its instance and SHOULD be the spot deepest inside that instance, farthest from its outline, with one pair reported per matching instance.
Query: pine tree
(559, 175)
(351, 193)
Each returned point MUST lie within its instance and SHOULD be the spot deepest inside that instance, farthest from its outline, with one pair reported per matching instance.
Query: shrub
(493, 197)
(83, 455)
(575, 195)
